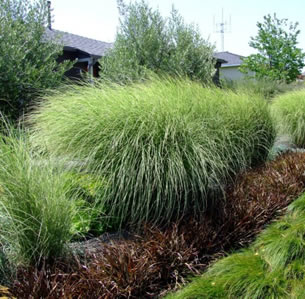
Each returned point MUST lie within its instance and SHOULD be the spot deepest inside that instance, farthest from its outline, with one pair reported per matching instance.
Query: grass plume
(165, 147)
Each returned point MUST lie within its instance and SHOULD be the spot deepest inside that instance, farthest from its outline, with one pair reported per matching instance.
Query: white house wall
(231, 73)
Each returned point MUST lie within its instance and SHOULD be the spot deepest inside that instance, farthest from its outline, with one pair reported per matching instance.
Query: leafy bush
(89, 216)
(35, 211)
(148, 42)
(27, 60)
(278, 57)
(164, 147)
(154, 261)
(288, 111)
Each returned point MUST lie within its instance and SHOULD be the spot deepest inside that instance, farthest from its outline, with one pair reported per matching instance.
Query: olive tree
(27, 59)
(147, 42)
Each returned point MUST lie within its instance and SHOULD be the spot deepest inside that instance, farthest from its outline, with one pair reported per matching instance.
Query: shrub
(154, 261)
(278, 56)
(146, 42)
(288, 111)
(89, 216)
(164, 147)
(27, 60)
(35, 211)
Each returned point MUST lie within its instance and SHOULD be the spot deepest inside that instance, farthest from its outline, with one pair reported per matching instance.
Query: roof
(230, 58)
(91, 46)
(98, 48)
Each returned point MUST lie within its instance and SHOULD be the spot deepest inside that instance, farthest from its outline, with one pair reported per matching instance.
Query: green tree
(27, 60)
(146, 41)
(278, 56)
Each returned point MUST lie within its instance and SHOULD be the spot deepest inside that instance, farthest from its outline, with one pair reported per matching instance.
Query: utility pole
(222, 27)
(49, 15)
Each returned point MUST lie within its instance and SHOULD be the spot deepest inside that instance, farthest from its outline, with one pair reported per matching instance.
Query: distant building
(88, 51)
(85, 50)
(230, 69)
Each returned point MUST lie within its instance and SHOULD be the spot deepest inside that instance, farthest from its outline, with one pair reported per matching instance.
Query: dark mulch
(150, 264)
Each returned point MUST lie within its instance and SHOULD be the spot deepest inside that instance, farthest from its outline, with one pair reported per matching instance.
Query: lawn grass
(166, 147)
(288, 111)
(273, 267)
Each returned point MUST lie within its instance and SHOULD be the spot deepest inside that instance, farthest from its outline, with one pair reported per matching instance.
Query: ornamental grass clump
(35, 211)
(288, 111)
(166, 147)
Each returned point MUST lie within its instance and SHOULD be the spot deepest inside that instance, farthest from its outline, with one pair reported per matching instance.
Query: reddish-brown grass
(157, 260)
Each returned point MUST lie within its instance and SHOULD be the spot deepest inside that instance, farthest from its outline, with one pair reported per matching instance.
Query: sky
(99, 19)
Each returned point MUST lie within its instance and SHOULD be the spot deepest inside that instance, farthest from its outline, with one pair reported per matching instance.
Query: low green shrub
(165, 147)
(35, 211)
(90, 213)
(288, 111)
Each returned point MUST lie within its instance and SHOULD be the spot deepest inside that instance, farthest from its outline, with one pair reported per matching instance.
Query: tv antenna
(222, 27)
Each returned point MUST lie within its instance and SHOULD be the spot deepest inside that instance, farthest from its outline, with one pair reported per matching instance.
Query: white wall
(231, 73)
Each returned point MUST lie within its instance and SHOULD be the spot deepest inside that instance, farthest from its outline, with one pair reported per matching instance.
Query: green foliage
(273, 267)
(264, 87)
(164, 147)
(280, 252)
(278, 57)
(89, 215)
(246, 275)
(150, 263)
(35, 210)
(148, 42)
(288, 112)
(27, 60)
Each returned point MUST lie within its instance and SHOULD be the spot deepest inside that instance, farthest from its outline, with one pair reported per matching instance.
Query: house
(230, 69)
(88, 51)
(85, 50)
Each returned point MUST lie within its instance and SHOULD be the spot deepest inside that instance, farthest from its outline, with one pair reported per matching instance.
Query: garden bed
(158, 260)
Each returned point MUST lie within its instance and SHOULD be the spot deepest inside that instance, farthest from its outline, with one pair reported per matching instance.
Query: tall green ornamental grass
(35, 212)
(165, 147)
(288, 111)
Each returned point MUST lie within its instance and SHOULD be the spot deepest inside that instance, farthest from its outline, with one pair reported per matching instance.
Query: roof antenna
(222, 27)
(49, 15)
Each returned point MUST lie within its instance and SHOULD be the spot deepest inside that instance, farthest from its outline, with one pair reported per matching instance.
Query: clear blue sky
(98, 19)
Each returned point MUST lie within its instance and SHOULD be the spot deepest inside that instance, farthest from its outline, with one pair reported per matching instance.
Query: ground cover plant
(273, 267)
(156, 260)
(289, 116)
(165, 148)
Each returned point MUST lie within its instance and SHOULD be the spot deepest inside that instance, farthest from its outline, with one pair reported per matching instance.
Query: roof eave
(230, 65)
